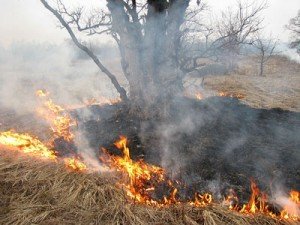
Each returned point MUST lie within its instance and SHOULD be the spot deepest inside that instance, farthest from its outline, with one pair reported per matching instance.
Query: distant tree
(221, 39)
(294, 27)
(265, 49)
(237, 27)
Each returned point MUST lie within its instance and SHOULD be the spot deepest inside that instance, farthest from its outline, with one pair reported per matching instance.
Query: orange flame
(251, 207)
(144, 178)
(292, 209)
(27, 144)
(34, 147)
(141, 178)
(138, 172)
(231, 95)
(60, 122)
(75, 164)
(58, 118)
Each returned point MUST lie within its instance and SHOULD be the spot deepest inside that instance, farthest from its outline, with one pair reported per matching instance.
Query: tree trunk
(151, 56)
(261, 71)
(262, 62)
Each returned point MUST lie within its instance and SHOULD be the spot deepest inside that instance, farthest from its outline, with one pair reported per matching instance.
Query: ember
(199, 96)
(231, 95)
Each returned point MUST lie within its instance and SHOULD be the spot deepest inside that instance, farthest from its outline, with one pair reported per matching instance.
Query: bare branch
(294, 27)
(94, 24)
(266, 48)
(65, 24)
(237, 27)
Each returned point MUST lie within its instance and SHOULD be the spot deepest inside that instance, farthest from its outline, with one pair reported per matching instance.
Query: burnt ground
(212, 144)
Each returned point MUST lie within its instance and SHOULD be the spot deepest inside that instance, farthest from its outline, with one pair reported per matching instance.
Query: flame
(231, 95)
(27, 144)
(291, 210)
(202, 200)
(257, 202)
(34, 147)
(231, 200)
(75, 164)
(199, 95)
(58, 118)
(251, 207)
(60, 122)
(139, 173)
(144, 178)
(141, 180)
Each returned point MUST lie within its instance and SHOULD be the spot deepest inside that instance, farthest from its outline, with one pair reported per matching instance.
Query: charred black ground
(223, 143)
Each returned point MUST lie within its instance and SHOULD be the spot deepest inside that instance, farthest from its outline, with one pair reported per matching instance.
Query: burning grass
(40, 192)
(40, 186)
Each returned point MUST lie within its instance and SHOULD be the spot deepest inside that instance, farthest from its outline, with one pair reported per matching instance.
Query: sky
(28, 20)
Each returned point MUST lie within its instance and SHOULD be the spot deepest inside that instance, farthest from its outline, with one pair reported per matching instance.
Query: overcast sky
(28, 20)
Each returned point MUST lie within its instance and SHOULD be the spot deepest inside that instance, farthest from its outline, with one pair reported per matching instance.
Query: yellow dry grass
(278, 88)
(38, 192)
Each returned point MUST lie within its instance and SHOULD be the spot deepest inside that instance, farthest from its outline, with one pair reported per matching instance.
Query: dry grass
(260, 92)
(37, 192)
(279, 88)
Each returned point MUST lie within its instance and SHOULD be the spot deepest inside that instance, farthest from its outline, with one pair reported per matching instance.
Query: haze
(27, 20)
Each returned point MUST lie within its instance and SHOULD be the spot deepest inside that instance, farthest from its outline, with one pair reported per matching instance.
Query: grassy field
(278, 88)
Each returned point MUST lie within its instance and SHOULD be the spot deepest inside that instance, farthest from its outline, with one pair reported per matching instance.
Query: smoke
(60, 69)
(63, 71)
(218, 143)
(169, 133)
(87, 153)
(290, 207)
(285, 50)
(203, 139)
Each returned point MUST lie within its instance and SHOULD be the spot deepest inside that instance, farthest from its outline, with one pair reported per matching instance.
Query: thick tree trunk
(152, 69)
(148, 49)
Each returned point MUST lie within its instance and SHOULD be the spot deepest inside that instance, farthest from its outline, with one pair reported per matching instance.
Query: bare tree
(294, 27)
(266, 48)
(236, 28)
(224, 38)
(148, 34)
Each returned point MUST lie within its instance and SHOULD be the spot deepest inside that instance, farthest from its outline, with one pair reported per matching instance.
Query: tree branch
(96, 21)
(112, 77)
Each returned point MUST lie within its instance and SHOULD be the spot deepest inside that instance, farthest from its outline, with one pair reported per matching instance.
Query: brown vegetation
(278, 89)
(37, 192)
